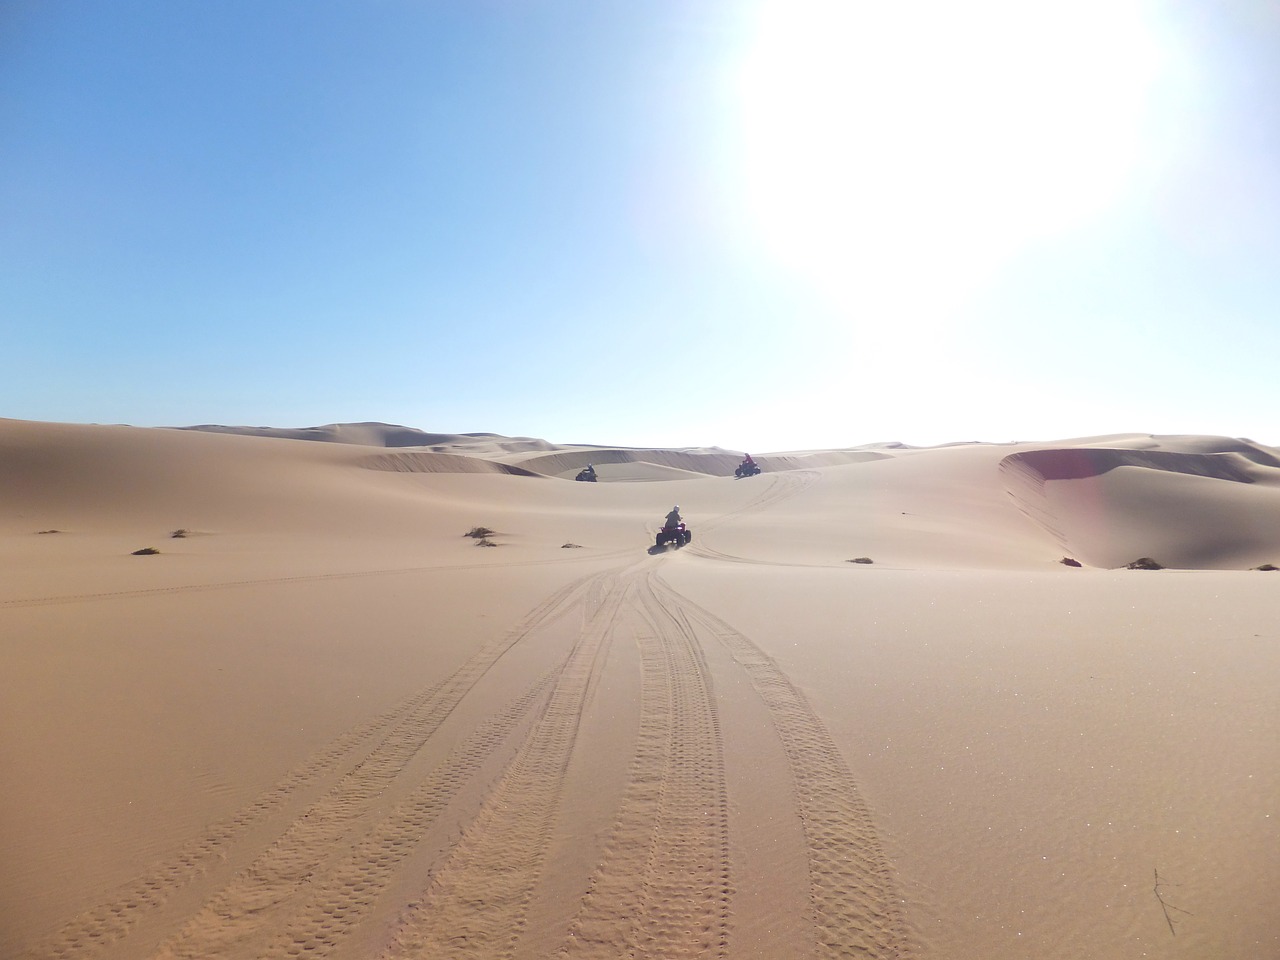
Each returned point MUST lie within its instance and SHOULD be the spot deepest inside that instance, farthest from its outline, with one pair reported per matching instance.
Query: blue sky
(758, 224)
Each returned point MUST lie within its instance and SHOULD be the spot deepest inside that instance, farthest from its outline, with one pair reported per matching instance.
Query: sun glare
(896, 154)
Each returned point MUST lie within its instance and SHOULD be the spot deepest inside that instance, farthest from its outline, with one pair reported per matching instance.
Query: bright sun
(895, 154)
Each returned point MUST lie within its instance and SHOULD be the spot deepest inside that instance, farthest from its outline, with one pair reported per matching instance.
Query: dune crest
(421, 462)
(375, 434)
(1190, 502)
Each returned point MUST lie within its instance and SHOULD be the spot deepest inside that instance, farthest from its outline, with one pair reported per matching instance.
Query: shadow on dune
(1211, 503)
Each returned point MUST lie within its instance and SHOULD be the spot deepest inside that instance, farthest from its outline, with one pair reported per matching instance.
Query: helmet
(676, 507)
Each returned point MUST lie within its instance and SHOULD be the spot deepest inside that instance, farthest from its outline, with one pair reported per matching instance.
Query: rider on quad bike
(747, 468)
(673, 530)
(587, 473)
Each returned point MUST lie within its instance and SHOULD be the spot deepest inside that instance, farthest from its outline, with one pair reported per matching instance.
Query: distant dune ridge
(261, 697)
(379, 435)
(1199, 502)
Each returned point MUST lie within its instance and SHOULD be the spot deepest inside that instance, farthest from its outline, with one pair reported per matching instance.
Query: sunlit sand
(321, 720)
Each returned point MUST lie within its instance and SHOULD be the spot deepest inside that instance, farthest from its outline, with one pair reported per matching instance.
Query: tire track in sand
(97, 928)
(779, 487)
(782, 486)
(664, 888)
(403, 731)
(477, 901)
(857, 910)
(266, 893)
(342, 899)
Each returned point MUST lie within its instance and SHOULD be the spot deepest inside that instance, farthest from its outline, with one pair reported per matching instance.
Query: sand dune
(1196, 503)
(323, 722)
(615, 463)
(439, 463)
(710, 463)
(384, 435)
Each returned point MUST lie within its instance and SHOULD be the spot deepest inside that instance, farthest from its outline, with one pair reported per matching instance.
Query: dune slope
(1192, 503)
(326, 723)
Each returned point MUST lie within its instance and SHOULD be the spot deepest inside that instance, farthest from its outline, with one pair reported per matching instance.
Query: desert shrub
(860, 560)
(1144, 563)
(48, 531)
(485, 542)
(570, 546)
(145, 552)
(477, 533)
(179, 533)
(1068, 562)
(1267, 566)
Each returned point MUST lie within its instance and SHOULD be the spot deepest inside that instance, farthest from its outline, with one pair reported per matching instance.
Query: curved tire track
(782, 487)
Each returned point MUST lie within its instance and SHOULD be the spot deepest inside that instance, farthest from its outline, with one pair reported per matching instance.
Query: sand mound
(440, 463)
(1192, 443)
(640, 471)
(714, 464)
(386, 435)
(363, 434)
(1188, 502)
(118, 478)
(541, 457)
(823, 458)
(683, 464)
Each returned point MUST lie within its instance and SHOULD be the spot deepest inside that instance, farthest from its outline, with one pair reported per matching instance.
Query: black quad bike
(588, 476)
(747, 470)
(672, 537)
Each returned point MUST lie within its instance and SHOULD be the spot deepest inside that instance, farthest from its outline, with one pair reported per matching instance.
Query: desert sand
(324, 722)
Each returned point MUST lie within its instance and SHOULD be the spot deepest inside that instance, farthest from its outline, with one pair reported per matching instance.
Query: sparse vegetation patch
(1267, 566)
(1069, 562)
(145, 552)
(180, 533)
(48, 531)
(485, 542)
(1144, 563)
(570, 546)
(860, 560)
(478, 533)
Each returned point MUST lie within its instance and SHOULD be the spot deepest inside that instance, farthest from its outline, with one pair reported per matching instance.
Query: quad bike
(587, 475)
(676, 536)
(747, 469)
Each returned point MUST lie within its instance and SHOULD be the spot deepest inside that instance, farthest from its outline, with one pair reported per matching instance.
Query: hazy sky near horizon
(759, 224)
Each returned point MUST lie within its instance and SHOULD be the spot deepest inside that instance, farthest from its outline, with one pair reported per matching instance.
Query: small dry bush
(485, 542)
(860, 560)
(180, 533)
(1069, 562)
(145, 552)
(570, 546)
(1144, 563)
(477, 533)
(1267, 566)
